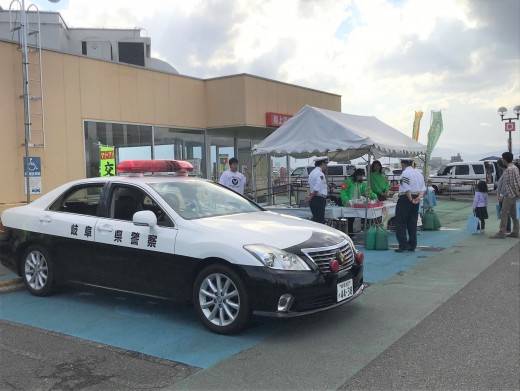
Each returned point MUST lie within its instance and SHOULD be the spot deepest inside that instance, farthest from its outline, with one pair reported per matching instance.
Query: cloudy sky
(386, 58)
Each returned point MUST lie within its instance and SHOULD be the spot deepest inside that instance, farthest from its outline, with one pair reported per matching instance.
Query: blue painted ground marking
(172, 330)
(8, 277)
(381, 265)
(158, 328)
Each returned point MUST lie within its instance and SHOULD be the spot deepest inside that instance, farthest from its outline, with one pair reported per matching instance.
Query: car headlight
(275, 258)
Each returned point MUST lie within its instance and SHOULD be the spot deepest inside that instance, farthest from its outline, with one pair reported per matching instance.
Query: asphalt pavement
(471, 342)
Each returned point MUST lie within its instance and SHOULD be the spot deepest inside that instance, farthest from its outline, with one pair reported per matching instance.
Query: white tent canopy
(341, 136)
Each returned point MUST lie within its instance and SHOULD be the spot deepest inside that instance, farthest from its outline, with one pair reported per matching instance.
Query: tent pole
(270, 190)
(253, 177)
(288, 178)
(367, 196)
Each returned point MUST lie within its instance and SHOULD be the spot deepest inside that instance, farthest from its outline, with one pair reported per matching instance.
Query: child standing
(480, 202)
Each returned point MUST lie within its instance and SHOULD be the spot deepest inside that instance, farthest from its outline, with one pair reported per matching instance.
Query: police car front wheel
(38, 272)
(221, 299)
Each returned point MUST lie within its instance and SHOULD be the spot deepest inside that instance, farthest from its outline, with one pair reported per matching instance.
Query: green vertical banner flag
(107, 161)
(417, 124)
(436, 128)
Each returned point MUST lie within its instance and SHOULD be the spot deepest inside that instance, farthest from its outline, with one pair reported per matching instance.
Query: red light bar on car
(153, 166)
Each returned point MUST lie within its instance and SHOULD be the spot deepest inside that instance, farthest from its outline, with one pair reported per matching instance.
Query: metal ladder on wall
(35, 102)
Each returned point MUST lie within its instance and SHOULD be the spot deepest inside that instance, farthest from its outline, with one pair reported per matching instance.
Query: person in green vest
(378, 181)
(353, 188)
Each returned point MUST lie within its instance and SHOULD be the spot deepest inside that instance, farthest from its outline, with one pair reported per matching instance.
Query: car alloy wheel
(38, 277)
(221, 300)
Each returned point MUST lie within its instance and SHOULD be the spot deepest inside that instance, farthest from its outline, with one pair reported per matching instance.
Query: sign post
(510, 127)
(33, 167)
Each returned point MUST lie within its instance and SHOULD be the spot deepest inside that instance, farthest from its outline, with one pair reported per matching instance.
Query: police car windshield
(199, 199)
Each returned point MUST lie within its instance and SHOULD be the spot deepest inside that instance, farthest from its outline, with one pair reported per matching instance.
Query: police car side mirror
(145, 218)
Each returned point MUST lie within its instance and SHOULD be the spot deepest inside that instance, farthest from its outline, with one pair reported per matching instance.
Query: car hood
(271, 228)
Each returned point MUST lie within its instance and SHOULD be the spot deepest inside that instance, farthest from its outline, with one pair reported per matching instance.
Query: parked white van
(463, 176)
(336, 173)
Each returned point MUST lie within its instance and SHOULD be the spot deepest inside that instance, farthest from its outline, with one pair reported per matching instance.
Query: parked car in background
(463, 176)
(496, 171)
(299, 175)
(336, 173)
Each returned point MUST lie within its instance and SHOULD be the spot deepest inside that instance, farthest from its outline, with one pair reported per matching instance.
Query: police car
(175, 236)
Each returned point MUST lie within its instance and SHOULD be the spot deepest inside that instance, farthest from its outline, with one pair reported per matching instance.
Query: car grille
(323, 255)
(314, 303)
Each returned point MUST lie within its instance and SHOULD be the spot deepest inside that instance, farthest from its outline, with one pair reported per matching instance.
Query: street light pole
(510, 125)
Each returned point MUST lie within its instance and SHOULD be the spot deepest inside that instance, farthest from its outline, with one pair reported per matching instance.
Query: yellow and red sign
(107, 161)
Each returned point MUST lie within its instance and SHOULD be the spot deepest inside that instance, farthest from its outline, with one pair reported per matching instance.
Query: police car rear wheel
(221, 300)
(38, 272)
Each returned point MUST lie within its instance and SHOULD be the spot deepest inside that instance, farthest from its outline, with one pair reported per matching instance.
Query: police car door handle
(105, 228)
(45, 219)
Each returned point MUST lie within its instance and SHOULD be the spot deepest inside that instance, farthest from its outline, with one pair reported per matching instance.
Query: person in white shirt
(232, 178)
(411, 192)
(317, 197)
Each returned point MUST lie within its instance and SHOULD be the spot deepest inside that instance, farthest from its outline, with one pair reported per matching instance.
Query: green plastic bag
(381, 238)
(430, 221)
(370, 243)
(377, 238)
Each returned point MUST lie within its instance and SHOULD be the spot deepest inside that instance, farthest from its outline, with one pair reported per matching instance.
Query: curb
(11, 285)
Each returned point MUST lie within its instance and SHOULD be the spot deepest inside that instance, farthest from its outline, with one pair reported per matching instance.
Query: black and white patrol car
(180, 237)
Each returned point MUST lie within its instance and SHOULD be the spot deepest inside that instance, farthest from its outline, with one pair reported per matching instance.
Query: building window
(181, 144)
(131, 53)
(143, 142)
(130, 142)
(84, 48)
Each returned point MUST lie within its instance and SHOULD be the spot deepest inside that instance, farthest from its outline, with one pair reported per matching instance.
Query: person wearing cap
(317, 197)
(411, 191)
(232, 178)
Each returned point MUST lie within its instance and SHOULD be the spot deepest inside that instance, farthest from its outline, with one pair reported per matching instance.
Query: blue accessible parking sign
(33, 167)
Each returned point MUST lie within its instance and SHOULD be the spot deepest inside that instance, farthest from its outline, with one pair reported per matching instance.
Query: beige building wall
(243, 100)
(77, 88)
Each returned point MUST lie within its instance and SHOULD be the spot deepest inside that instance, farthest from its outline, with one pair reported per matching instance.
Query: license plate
(345, 290)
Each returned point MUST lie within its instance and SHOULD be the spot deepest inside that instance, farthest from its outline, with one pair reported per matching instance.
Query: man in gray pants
(511, 196)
